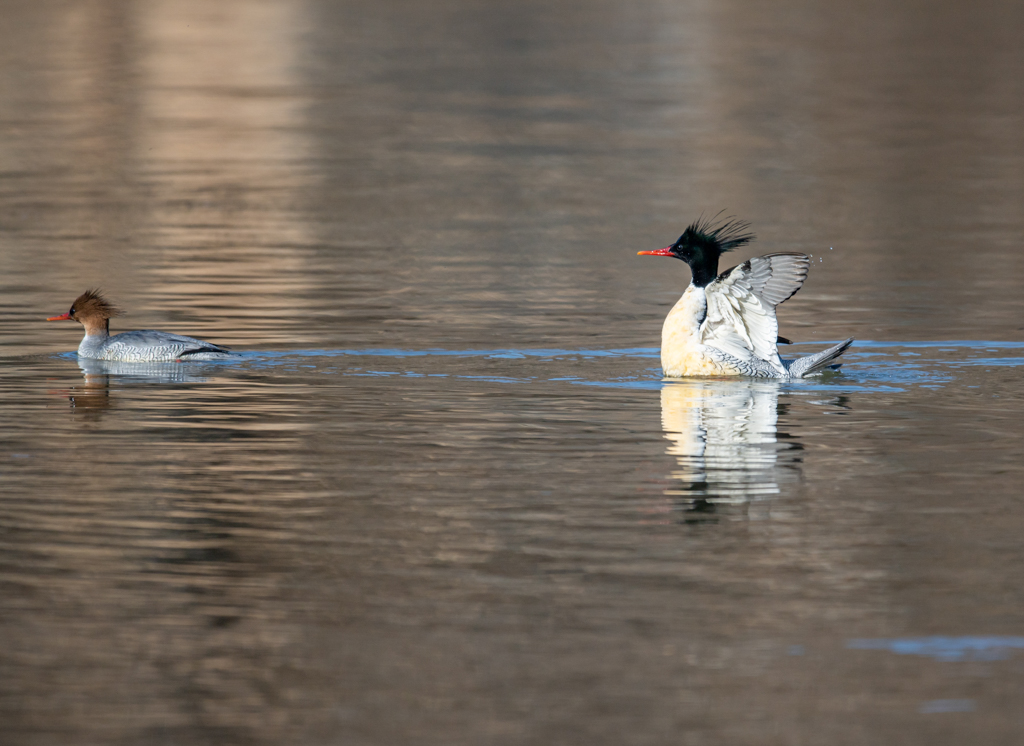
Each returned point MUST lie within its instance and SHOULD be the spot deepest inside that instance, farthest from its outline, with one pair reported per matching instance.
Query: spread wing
(774, 278)
(741, 305)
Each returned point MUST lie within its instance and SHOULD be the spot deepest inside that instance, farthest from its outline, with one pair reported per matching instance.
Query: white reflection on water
(97, 371)
(93, 395)
(724, 436)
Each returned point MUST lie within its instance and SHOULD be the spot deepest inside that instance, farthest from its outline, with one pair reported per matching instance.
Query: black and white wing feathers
(741, 305)
(775, 278)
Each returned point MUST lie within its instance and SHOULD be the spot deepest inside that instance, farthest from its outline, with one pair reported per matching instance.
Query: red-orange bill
(667, 251)
(62, 317)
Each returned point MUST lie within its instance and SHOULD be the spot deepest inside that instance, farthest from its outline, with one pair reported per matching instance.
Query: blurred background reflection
(444, 495)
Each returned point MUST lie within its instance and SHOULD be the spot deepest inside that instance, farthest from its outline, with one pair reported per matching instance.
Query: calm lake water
(444, 495)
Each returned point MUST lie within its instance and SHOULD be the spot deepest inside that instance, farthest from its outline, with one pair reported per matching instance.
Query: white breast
(682, 351)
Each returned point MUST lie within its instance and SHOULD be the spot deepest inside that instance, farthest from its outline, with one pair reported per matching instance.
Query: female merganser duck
(725, 325)
(94, 312)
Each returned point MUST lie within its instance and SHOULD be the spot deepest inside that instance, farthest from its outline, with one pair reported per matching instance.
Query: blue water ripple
(945, 648)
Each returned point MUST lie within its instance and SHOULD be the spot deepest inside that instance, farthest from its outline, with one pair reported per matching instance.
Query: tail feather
(805, 366)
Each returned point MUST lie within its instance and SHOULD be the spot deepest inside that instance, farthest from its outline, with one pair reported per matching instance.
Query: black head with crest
(703, 242)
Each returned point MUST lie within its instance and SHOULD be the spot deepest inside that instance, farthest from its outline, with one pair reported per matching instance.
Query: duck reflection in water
(724, 435)
(93, 396)
(169, 372)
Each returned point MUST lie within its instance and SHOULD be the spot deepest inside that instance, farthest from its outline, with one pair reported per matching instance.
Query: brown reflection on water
(161, 150)
(157, 572)
(224, 153)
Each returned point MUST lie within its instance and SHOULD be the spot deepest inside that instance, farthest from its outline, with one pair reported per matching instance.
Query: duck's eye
(72, 311)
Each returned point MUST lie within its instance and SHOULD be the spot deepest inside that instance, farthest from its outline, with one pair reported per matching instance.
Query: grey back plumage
(151, 346)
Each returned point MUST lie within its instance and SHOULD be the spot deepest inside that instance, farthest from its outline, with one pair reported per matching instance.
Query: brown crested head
(90, 309)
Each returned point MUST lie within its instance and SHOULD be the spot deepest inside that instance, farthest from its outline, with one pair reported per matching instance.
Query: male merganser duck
(725, 325)
(94, 312)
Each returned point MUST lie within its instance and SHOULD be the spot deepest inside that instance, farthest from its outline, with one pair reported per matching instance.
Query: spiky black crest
(726, 236)
(704, 241)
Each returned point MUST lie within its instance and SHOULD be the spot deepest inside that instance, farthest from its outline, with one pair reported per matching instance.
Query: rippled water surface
(443, 495)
